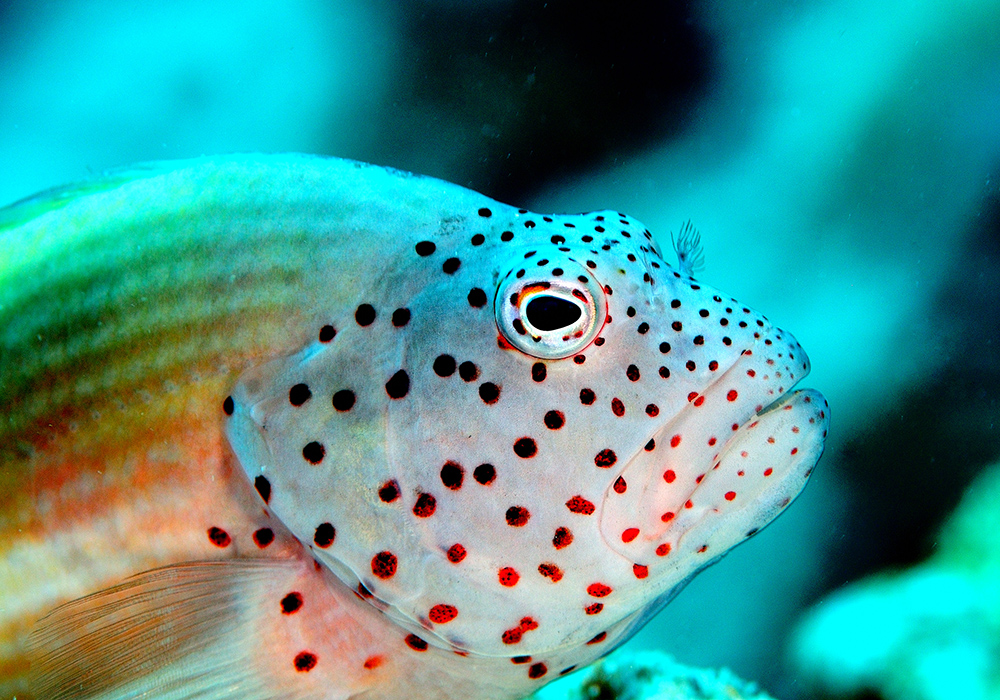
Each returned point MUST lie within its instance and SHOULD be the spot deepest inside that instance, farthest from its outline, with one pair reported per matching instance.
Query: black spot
(703, 313)
(538, 371)
(477, 298)
(485, 212)
(452, 475)
(263, 537)
(484, 474)
(525, 448)
(389, 491)
(675, 303)
(632, 372)
(326, 333)
(227, 406)
(587, 396)
(643, 328)
(677, 325)
(398, 385)
(650, 446)
(291, 603)
(468, 371)
(313, 452)
(664, 372)
(299, 394)
(699, 340)
(506, 236)
(630, 311)
(425, 248)
(478, 239)
(554, 420)
(690, 365)
(580, 359)
(263, 487)
(400, 317)
(519, 327)
(450, 265)
(489, 392)
(444, 365)
(305, 661)
(664, 348)
(343, 400)
(365, 315)
(219, 537)
(325, 535)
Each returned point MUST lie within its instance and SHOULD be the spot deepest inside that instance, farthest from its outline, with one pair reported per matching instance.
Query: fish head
(528, 430)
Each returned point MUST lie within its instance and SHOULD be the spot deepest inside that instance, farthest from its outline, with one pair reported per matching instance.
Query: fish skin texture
(279, 375)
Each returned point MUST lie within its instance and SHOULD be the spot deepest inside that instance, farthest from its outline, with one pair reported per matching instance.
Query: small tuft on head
(687, 246)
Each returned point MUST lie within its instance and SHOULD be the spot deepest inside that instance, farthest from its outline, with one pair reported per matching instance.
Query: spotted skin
(486, 510)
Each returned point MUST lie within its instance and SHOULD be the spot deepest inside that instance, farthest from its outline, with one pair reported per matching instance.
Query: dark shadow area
(502, 97)
(910, 469)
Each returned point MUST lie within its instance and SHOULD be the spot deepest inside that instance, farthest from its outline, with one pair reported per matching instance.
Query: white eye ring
(550, 314)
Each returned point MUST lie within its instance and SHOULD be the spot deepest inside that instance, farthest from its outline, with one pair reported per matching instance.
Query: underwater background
(841, 159)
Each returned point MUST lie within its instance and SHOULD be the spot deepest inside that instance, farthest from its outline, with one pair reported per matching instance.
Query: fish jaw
(723, 468)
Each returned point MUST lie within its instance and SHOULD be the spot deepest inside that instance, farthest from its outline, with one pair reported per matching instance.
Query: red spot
(579, 504)
(456, 553)
(730, 495)
(562, 538)
(415, 642)
(425, 505)
(663, 550)
(667, 517)
(291, 603)
(362, 592)
(517, 516)
(373, 662)
(740, 473)
(630, 534)
(698, 478)
(732, 395)
(736, 427)
(528, 624)
(219, 537)
(770, 441)
(617, 407)
(675, 440)
(689, 505)
(640, 571)
(508, 576)
(692, 396)
(652, 410)
(511, 636)
(768, 471)
(751, 373)
(620, 485)
(711, 441)
(263, 537)
(597, 639)
(594, 608)
(605, 458)
(537, 670)
(744, 454)
(441, 613)
(669, 476)
(503, 344)
(699, 401)
(550, 571)
(305, 661)
(598, 590)
(794, 450)
(384, 565)
(701, 549)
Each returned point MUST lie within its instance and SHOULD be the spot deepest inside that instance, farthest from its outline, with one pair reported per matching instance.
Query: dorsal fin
(176, 633)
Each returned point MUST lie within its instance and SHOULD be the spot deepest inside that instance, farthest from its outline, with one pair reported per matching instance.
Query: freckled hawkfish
(299, 427)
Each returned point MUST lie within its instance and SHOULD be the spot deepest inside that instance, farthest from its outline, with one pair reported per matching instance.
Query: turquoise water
(841, 159)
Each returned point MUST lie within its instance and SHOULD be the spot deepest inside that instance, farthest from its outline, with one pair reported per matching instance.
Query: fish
(289, 426)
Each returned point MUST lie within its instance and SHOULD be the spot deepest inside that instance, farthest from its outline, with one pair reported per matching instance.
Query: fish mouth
(727, 463)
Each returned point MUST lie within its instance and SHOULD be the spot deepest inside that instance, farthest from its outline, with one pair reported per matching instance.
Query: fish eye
(550, 314)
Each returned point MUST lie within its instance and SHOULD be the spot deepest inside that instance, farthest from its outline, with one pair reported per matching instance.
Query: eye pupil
(548, 313)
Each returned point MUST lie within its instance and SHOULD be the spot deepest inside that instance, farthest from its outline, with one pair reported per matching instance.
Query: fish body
(388, 436)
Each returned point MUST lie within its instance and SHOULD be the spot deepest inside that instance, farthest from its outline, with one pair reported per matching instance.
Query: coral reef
(649, 675)
(928, 633)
